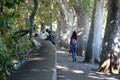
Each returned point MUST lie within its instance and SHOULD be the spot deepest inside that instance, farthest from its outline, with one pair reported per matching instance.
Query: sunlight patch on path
(102, 78)
(77, 71)
(62, 52)
(68, 70)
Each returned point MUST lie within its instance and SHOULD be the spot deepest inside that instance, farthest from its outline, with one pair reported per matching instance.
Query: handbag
(70, 51)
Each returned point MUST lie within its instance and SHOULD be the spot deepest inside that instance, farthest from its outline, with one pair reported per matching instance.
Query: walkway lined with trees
(47, 63)
(97, 23)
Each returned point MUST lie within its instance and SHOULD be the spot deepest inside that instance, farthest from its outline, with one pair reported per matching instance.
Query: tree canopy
(18, 18)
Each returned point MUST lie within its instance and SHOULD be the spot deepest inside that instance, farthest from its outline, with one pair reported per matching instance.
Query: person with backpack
(73, 45)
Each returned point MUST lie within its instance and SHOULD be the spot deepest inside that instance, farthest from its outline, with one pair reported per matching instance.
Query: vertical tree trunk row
(110, 54)
(82, 29)
(98, 25)
(65, 24)
(95, 35)
(89, 52)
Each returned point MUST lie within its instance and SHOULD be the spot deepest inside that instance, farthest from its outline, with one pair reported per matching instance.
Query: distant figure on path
(73, 45)
(44, 35)
(36, 35)
(50, 36)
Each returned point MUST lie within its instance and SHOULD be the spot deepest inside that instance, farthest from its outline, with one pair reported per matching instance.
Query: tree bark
(82, 29)
(110, 54)
(32, 17)
(98, 25)
(95, 35)
(89, 53)
(65, 24)
(21, 33)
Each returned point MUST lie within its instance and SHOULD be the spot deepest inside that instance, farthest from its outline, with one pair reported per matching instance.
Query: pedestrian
(46, 34)
(73, 45)
(50, 36)
(36, 35)
(42, 35)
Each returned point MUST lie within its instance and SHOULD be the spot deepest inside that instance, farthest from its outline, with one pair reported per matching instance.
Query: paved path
(40, 67)
(68, 70)
(43, 67)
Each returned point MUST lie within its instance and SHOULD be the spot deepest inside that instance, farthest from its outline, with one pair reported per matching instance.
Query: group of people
(46, 35)
(73, 45)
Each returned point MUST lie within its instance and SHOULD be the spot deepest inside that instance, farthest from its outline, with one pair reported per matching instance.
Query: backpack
(74, 42)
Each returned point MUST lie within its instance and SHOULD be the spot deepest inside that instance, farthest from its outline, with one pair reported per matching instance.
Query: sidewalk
(68, 70)
(40, 67)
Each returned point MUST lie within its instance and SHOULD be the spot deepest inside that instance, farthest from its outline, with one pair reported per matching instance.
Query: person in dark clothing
(50, 36)
(73, 45)
(36, 34)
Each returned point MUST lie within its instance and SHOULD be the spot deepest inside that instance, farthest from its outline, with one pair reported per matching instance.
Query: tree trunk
(82, 29)
(32, 17)
(98, 25)
(60, 31)
(69, 22)
(65, 24)
(88, 55)
(110, 54)
(95, 34)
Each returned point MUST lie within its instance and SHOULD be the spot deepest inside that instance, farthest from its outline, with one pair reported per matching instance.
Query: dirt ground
(68, 70)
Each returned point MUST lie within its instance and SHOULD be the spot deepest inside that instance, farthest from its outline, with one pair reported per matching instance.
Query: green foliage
(10, 45)
(12, 3)
(87, 5)
(73, 3)
(24, 44)
(3, 47)
(5, 21)
(8, 13)
(12, 18)
(6, 66)
(47, 11)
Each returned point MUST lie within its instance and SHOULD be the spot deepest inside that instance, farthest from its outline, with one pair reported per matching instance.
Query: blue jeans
(74, 52)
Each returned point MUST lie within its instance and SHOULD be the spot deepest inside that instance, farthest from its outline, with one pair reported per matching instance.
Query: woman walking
(73, 45)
